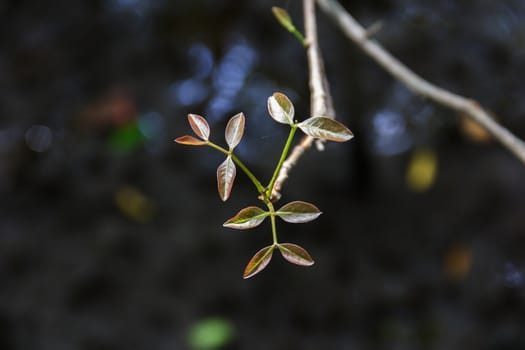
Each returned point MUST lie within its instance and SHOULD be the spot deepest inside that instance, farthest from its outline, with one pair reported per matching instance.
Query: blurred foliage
(210, 333)
(422, 170)
(134, 204)
(126, 138)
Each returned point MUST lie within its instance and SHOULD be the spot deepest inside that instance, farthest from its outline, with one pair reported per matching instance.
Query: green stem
(272, 219)
(300, 36)
(286, 149)
(240, 164)
(256, 182)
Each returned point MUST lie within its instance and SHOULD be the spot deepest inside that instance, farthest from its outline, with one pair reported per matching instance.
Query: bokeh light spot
(151, 125)
(422, 170)
(390, 135)
(189, 92)
(201, 59)
(39, 138)
(126, 138)
(211, 333)
(133, 204)
(512, 277)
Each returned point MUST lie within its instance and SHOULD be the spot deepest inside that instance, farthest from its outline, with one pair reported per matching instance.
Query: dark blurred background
(111, 235)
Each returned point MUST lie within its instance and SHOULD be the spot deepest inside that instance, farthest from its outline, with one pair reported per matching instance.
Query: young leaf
(234, 130)
(298, 212)
(247, 218)
(199, 125)
(283, 17)
(189, 140)
(286, 21)
(225, 177)
(295, 254)
(281, 108)
(326, 129)
(258, 262)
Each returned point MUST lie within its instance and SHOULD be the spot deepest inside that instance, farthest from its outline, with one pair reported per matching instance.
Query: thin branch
(320, 98)
(355, 32)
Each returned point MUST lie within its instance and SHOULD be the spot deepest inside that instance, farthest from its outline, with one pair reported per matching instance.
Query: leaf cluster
(282, 111)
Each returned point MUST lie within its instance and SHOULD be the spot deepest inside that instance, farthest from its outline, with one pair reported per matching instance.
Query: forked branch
(360, 36)
(320, 99)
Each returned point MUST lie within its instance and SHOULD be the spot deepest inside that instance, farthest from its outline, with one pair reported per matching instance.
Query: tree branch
(320, 99)
(355, 32)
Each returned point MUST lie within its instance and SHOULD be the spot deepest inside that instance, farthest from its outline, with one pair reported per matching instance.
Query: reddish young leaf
(189, 140)
(247, 218)
(225, 177)
(199, 125)
(326, 129)
(234, 130)
(298, 212)
(281, 108)
(258, 262)
(295, 254)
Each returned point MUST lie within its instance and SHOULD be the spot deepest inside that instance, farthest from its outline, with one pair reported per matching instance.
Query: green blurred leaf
(281, 108)
(295, 254)
(225, 176)
(283, 17)
(247, 218)
(126, 138)
(326, 129)
(134, 204)
(286, 21)
(200, 126)
(234, 130)
(258, 262)
(211, 333)
(189, 140)
(298, 212)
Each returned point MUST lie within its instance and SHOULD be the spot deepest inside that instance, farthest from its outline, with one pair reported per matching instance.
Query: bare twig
(320, 98)
(355, 32)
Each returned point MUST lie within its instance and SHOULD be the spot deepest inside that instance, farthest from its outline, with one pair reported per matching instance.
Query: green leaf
(247, 218)
(295, 254)
(283, 17)
(199, 125)
(258, 262)
(210, 333)
(326, 129)
(281, 108)
(190, 140)
(234, 130)
(298, 212)
(126, 138)
(286, 21)
(225, 177)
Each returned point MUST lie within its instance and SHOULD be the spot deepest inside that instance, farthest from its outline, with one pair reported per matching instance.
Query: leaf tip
(283, 17)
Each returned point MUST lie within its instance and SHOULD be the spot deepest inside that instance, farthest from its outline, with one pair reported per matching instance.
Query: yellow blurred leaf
(473, 131)
(133, 204)
(422, 170)
(457, 262)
